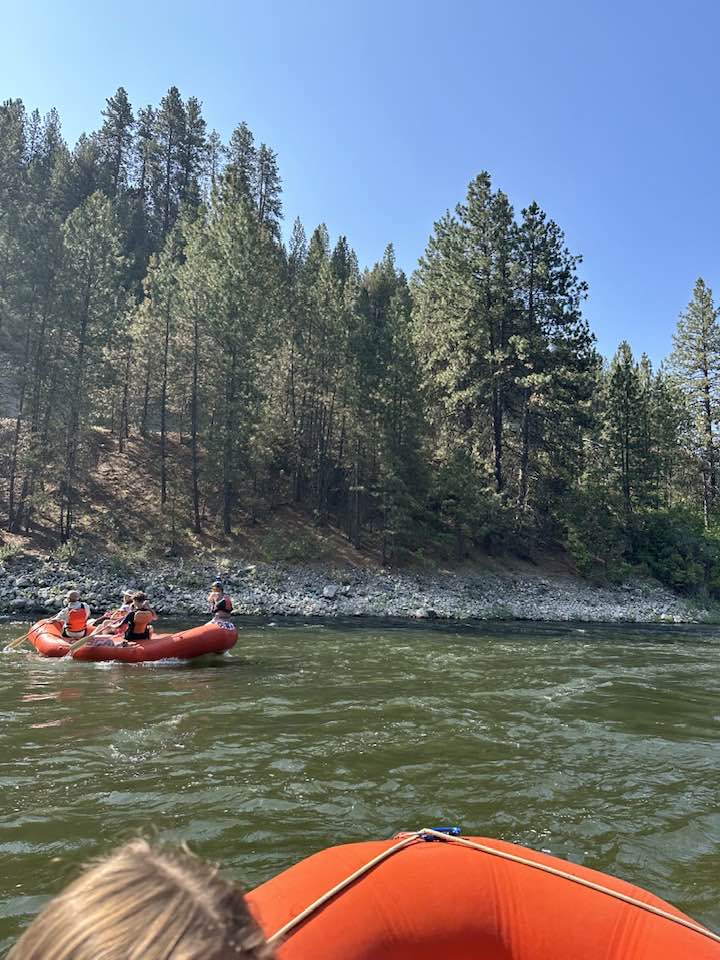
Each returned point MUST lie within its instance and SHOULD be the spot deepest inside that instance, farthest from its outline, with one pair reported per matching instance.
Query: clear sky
(604, 112)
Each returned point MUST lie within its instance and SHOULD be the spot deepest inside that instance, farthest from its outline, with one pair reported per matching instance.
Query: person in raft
(220, 605)
(137, 619)
(145, 903)
(109, 622)
(73, 616)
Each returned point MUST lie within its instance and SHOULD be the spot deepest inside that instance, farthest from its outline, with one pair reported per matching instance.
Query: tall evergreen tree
(269, 189)
(92, 282)
(464, 315)
(170, 134)
(116, 139)
(695, 360)
(242, 161)
(552, 351)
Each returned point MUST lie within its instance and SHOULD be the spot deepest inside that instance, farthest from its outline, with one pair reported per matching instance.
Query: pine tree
(242, 165)
(92, 275)
(623, 423)
(170, 134)
(193, 154)
(216, 153)
(116, 139)
(695, 360)
(237, 287)
(154, 327)
(553, 352)
(195, 355)
(391, 415)
(464, 315)
(269, 189)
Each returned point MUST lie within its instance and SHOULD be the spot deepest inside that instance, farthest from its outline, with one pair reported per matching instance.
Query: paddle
(76, 644)
(14, 644)
(18, 642)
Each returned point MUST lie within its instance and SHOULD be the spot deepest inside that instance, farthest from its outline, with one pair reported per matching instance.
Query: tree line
(147, 289)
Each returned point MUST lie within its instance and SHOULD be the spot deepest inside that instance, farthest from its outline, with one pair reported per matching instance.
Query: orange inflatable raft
(424, 896)
(46, 637)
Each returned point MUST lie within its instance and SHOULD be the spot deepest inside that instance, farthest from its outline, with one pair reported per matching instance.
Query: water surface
(599, 744)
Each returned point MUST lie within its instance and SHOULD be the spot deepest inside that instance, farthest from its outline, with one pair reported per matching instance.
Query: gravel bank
(31, 585)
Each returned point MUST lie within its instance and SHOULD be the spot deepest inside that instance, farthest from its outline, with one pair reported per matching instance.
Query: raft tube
(440, 899)
(46, 637)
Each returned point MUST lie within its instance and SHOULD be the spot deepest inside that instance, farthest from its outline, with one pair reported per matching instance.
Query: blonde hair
(145, 903)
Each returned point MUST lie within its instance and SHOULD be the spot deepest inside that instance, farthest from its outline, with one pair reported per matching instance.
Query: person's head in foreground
(144, 903)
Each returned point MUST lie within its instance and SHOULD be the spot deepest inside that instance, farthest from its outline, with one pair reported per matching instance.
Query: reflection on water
(598, 744)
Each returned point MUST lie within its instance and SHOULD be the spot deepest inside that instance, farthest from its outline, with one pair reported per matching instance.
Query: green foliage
(8, 552)
(675, 548)
(70, 551)
(295, 547)
(146, 289)
(119, 565)
(593, 535)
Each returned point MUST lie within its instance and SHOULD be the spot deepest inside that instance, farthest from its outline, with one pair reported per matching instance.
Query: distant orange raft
(427, 898)
(46, 637)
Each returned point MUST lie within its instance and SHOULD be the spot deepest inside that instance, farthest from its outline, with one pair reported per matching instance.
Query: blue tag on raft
(450, 831)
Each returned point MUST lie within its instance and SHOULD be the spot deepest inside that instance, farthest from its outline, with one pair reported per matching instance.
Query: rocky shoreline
(32, 585)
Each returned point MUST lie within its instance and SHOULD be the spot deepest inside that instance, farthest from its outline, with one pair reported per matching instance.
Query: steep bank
(31, 585)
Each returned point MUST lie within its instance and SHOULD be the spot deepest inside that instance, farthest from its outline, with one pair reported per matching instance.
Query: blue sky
(606, 113)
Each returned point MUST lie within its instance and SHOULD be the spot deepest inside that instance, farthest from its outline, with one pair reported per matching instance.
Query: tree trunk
(125, 405)
(67, 489)
(146, 402)
(229, 446)
(168, 170)
(16, 438)
(163, 408)
(197, 527)
(710, 446)
(497, 417)
(523, 482)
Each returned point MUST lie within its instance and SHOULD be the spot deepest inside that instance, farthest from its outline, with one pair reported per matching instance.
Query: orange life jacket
(77, 619)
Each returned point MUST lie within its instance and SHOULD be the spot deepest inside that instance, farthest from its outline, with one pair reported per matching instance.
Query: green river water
(599, 744)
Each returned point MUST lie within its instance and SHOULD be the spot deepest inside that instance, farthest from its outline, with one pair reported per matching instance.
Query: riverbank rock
(36, 585)
(425, 613)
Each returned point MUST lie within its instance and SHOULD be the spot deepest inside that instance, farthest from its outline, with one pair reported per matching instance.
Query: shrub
(675, 548)
(8, 551)
(592, 535)
(69, 552)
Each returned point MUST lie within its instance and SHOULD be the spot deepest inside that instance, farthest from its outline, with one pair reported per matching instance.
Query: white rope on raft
(291, 924)
(411, 838)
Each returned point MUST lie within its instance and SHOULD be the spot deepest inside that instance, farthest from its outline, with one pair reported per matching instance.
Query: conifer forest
(151, 290)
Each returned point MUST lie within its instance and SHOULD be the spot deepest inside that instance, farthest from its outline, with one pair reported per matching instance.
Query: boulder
(425, 613)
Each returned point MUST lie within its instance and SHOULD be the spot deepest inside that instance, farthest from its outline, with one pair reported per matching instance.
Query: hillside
(121, 515)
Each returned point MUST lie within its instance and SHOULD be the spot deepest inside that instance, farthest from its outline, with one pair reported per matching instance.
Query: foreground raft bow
(46, 637)
(466, 899)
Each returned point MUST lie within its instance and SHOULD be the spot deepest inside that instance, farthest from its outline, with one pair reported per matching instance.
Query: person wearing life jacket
(73, 616)
(138, 619)
(220, 603)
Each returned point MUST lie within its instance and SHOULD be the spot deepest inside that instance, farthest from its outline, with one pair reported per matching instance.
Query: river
(597, 743)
